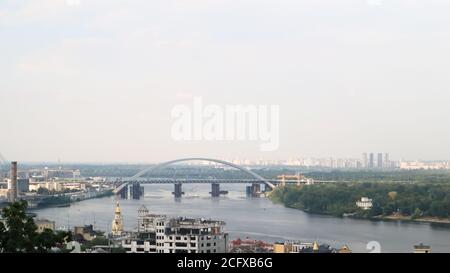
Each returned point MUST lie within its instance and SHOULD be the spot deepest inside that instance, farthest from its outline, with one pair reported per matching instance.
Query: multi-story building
(365, 203)
(365, 160)
(46, 174)
(53, 186)
(380, 160)
(23, 185)
(371, 161)
(387, 162)
(160, 234)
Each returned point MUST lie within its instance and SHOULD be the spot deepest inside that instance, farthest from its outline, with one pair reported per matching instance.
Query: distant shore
(432, 220)
(66, 201)
(403, 218)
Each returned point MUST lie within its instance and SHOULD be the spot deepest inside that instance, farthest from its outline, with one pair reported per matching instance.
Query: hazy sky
(95, 81)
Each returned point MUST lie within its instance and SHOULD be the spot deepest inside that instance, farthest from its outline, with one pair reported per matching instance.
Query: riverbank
(66, 200)
(392, 202)
(402, 218)
(431, 220)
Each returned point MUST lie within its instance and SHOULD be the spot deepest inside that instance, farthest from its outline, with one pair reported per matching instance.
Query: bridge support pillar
(267, 188)
(123, 193)
(254, 190)
(178, 192)
(215, 189)
(136, 191)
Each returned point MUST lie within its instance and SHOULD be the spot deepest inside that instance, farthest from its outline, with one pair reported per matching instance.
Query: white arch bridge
(136, 179)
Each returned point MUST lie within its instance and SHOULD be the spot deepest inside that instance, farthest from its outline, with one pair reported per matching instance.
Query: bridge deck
(203, 181)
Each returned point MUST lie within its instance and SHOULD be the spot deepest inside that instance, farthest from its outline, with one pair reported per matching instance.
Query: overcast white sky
(96, 80)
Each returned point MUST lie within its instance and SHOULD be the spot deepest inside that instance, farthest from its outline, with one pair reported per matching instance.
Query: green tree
(417, 213)
(19, 233)
(46, 240)
(409, 199)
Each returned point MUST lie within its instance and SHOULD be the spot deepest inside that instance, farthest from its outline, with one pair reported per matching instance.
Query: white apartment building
(160, 234)
(365, 203)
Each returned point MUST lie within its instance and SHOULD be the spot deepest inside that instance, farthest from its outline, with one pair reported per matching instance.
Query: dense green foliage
(408, 199)
(19, 233)
(55, 200)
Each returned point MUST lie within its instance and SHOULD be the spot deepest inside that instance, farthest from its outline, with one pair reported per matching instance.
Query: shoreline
(68, 201)
(429, 220)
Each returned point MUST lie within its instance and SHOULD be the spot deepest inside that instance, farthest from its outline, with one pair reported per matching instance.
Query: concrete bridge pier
(254, 190)
(137, 191)
(132, 190)
(178, 192)
(215, 190)
(123, 193)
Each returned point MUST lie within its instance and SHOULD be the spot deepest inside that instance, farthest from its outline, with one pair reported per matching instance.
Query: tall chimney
(13, 189)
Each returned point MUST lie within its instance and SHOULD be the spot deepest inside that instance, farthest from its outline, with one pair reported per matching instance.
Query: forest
(390, 198)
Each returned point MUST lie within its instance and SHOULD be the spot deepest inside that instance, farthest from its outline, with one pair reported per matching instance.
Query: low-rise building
(306, 247)
(34, 186)
(4, 193)
(249, 246)
(84, 233)
(53, 186)
(79, 186)
(291, 247)
(421, 248)
(43, 224)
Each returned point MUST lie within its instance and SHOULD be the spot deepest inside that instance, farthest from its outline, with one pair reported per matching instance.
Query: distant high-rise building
(371, 160)
(364, 160)
(380, 160)
(387, 162)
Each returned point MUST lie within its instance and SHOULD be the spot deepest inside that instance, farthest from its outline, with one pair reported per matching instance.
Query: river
(257, 218)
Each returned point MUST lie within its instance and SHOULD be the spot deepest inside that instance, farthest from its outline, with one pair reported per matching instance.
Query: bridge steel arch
(255, 175)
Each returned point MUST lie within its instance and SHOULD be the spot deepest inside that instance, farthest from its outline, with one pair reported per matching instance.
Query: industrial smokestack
(13, 188)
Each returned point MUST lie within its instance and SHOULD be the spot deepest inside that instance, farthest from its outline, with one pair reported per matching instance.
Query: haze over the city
(95, 81)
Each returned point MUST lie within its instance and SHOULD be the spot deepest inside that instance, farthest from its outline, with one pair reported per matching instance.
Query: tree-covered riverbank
(66, 200)
(403, 201)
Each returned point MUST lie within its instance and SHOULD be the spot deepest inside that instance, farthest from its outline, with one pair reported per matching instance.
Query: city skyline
(360, 158)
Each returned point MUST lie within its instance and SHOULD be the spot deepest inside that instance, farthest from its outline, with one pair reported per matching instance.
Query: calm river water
(256, 218)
